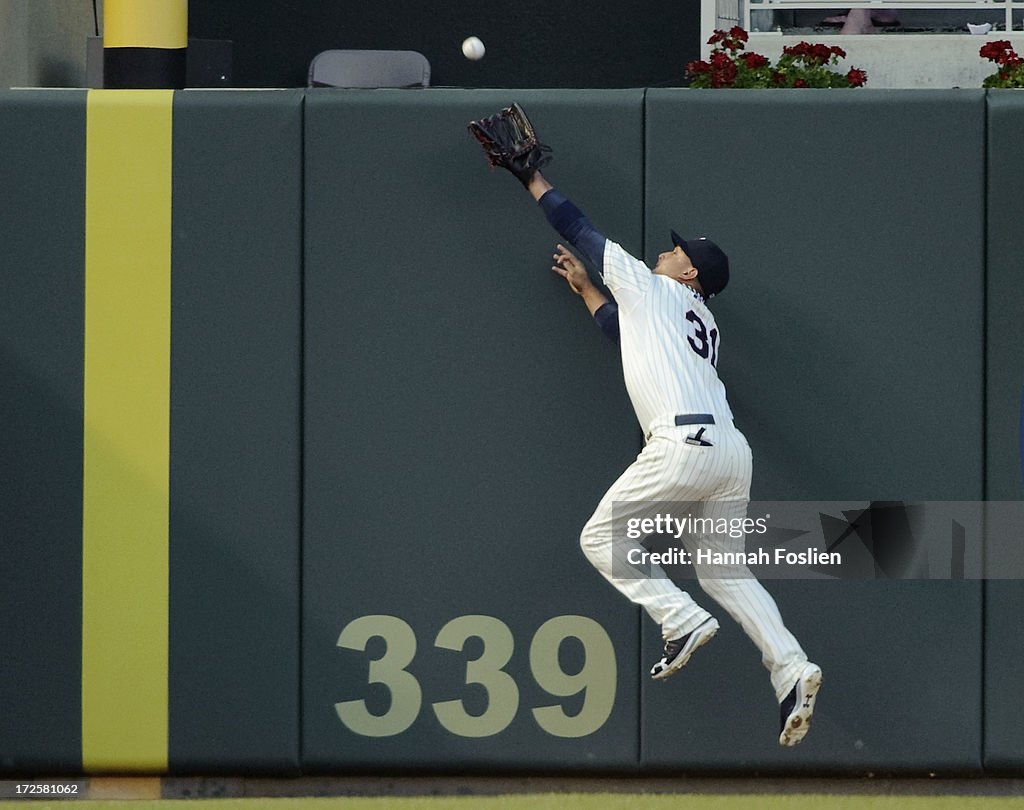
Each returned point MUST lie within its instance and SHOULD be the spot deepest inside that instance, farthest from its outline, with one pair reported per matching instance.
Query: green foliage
(1010, 72)
(801, 65)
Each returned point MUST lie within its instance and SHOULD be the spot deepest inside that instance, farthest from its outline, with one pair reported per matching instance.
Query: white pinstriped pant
(715, 480)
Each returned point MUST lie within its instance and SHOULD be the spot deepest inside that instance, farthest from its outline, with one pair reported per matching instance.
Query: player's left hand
(572, 270)
(510, 141)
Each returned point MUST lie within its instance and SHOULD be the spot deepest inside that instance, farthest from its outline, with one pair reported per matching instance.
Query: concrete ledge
(902, 61)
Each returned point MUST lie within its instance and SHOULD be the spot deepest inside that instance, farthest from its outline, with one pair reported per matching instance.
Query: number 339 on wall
(597, 678)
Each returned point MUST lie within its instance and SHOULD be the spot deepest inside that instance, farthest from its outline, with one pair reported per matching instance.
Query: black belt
(694, 419)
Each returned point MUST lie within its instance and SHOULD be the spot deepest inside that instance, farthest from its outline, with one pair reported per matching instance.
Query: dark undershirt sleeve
(577, 230)
(574, 227)
(607, 317)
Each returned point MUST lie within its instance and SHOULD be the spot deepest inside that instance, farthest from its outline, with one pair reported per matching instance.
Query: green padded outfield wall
(235, 432)
(1004, 599)
(463, 417)
(150, 508)
(42, 219)
(852, 352)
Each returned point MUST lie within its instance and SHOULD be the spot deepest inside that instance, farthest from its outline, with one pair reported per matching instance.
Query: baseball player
(670, 345)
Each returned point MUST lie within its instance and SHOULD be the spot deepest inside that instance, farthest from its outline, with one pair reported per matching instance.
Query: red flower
(820, 52)
(801, 66)
(857, 77)
(754, 60)
(732, 45)
(736, 32)
(996, 51)
(724, 76)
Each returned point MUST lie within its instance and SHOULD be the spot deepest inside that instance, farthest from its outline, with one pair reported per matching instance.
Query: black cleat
(679, 650)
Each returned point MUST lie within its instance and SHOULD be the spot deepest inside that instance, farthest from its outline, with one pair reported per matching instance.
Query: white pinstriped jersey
(670, 347)
(670, 343)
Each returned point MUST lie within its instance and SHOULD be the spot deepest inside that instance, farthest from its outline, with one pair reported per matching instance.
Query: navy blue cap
(710, 260)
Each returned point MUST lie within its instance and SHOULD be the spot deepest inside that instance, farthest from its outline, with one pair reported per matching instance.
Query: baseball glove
(510, 141)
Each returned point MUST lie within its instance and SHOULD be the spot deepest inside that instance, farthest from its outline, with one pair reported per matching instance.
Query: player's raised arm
(571, 223)
(605, 312)
(538, 186)
(510, 141)
(575, 274)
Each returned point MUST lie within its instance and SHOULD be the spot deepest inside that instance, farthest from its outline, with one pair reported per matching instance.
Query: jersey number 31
(703, 342)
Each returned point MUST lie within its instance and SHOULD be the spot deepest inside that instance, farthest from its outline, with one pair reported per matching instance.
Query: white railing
(727, 13)
(721, 14)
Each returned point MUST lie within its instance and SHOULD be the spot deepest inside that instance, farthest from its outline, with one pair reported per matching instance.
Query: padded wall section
(851, 346)
(221, 663)
(1005, 291)
(463, 417)
(235, 432)
(1004, 599)
(42, 172)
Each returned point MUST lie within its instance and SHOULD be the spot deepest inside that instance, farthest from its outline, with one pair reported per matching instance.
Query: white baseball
(473, 48)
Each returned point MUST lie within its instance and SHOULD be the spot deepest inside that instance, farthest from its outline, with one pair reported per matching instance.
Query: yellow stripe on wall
(145, 23)
(127, 430)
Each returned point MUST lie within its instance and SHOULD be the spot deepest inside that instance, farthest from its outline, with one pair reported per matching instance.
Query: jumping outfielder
(693, 454)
